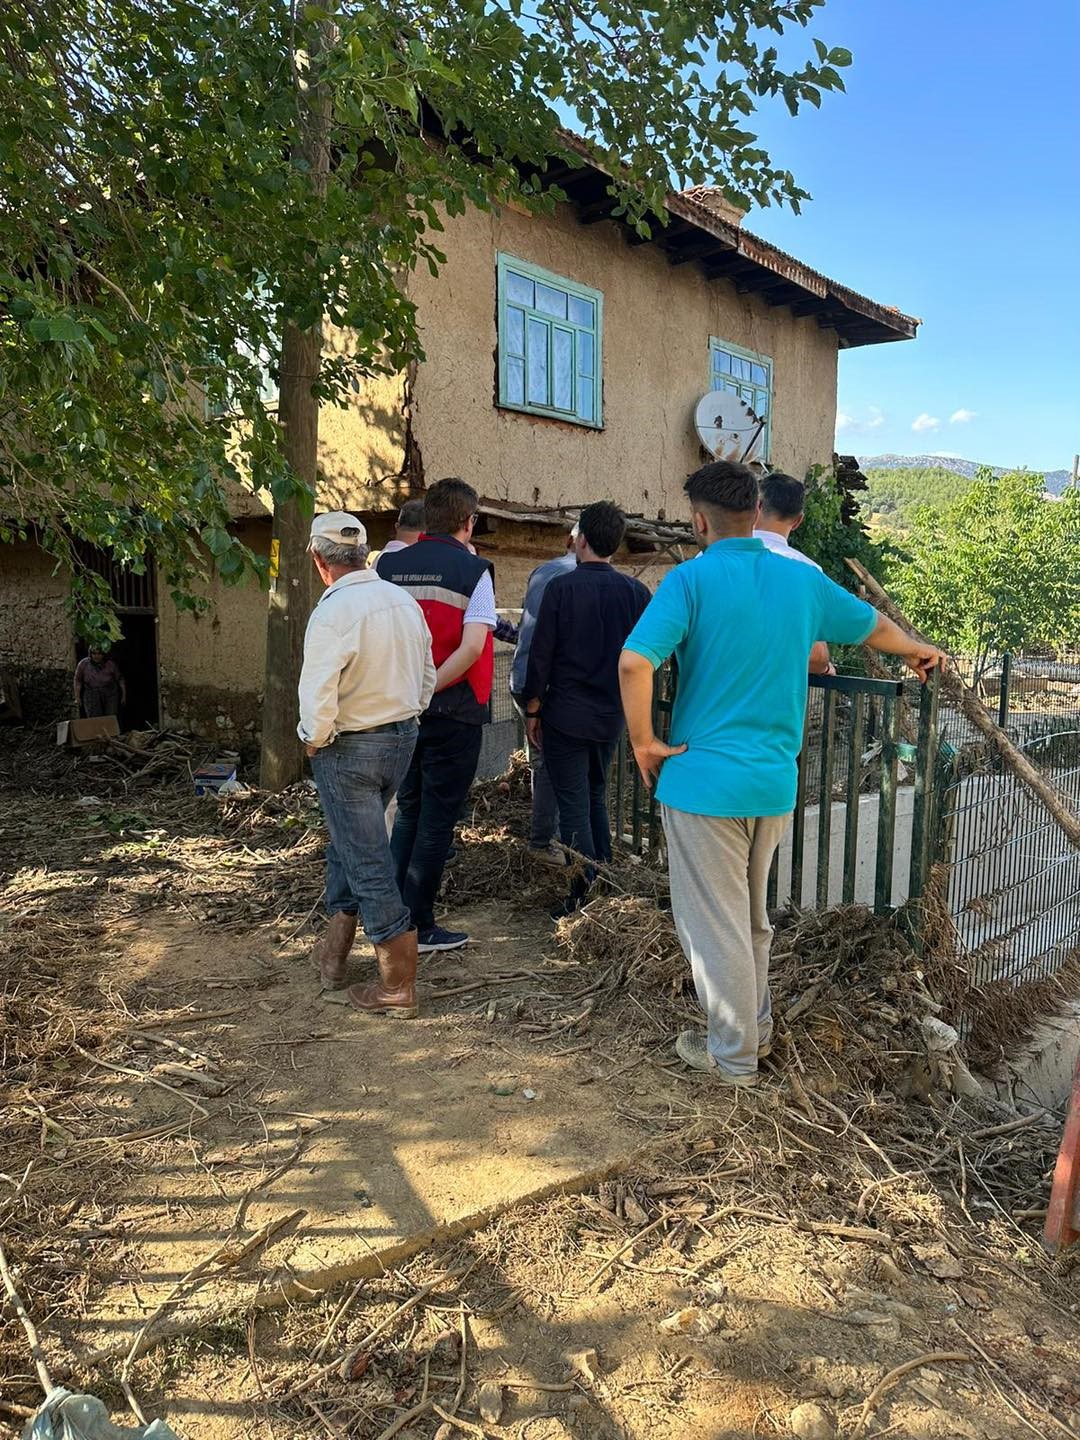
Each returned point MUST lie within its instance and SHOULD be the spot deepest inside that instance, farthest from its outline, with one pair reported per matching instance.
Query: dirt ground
(517, 1212)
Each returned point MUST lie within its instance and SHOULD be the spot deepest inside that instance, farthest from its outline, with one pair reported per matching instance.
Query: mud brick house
(564, 358)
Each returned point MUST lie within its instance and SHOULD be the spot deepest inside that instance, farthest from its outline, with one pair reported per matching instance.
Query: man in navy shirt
(571, 691)
(545, 810)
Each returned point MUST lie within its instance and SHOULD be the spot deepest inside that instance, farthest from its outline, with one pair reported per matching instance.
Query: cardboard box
(210, 778)
(85, 732)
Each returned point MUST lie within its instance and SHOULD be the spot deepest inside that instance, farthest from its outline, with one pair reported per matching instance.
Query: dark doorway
(136, 654)
(134, 594)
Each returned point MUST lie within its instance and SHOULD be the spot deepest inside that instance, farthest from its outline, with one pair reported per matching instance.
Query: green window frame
(747, 374)
(550, 344)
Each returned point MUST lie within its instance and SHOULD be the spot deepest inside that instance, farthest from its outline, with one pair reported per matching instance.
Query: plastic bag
(66, 1416)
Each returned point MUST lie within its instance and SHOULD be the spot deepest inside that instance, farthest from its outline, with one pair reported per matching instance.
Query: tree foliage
(158, 228)
(997, 569)
(833, 528)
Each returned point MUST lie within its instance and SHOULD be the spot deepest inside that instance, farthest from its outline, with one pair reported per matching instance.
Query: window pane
(740, 368)
(757, 374)
(748, 395)
(514, 338)
(519, 288)
(515, 381)
(537, 393)
(551, 302)
(563, 358)
(730, 387)
(582, 312)
(721, 362)
(585, 351)
(585, 399)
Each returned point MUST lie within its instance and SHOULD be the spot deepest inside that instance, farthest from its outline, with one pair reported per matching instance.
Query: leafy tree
(184, 184)
(833, 527)
(997, 569)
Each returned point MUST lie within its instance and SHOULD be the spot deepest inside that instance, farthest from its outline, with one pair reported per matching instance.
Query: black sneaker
(439, 939)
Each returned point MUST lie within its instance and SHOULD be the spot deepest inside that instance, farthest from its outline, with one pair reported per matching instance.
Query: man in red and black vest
(455, 592)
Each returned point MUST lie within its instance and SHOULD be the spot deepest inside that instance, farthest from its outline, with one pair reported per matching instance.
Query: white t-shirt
(779, 546)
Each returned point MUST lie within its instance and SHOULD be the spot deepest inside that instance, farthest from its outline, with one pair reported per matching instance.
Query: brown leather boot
(394, 993)
(331, 954)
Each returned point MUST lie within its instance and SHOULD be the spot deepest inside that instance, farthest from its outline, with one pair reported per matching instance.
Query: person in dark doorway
(367, 676)
(100, 688)
(571, 688)
(544, 822)
(456, 594)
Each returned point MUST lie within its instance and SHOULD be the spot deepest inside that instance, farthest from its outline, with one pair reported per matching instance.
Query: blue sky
(947, 182)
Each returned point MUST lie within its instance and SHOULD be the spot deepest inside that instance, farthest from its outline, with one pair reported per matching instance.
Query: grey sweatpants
(719, 873)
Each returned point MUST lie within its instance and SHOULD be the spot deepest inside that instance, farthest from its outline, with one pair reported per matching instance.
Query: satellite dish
(728, 427)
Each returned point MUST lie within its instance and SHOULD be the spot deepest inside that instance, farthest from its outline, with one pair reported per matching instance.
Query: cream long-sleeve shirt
(367, 659)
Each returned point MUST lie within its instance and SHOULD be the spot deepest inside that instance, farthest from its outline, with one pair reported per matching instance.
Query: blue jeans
(578, 770)
(357, 776)
(430, 802)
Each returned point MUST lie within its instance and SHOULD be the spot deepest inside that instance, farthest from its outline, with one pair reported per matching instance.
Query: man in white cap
(367, 675)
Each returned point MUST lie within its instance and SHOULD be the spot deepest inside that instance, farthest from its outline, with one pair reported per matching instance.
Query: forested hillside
(896, 494)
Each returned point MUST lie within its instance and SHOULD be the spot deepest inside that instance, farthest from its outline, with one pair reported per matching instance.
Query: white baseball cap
(339, 527)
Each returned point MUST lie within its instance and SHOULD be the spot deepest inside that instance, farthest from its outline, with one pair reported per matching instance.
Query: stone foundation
(231, 716)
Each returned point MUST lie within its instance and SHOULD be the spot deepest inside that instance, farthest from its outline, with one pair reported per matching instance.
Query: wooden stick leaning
(28, 1325)
(953, 686)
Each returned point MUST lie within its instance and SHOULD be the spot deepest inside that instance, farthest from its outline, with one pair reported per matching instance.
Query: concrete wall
(657, 322)
(865, 853)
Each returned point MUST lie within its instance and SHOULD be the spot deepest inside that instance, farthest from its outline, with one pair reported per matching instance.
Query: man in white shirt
(367, 675)
(783, 499)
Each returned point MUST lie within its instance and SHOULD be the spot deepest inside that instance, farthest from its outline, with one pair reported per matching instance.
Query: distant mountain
(1056, 480)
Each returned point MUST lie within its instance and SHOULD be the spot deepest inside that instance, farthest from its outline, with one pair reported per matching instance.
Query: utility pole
(292, 588)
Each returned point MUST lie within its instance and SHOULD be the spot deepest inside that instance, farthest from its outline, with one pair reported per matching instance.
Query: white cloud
(961, 417)
(925, 422)
(848, 424)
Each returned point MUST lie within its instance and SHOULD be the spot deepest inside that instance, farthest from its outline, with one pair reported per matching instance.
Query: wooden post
(954, 689)
(292, 591)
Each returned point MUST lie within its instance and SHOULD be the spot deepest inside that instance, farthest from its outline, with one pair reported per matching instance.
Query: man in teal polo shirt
(740, 622)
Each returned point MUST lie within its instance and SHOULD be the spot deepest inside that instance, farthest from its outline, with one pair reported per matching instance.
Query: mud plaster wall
(657, 322)
(36, 638)
(363, 447)
(658, 319)
(516, 550)
(212, 664)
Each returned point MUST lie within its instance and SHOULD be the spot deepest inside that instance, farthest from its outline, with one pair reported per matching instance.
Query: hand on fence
(651, 756)
(923, 659)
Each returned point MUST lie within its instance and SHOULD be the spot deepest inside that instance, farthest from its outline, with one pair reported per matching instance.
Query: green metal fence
(867, 745)
(635, 816)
